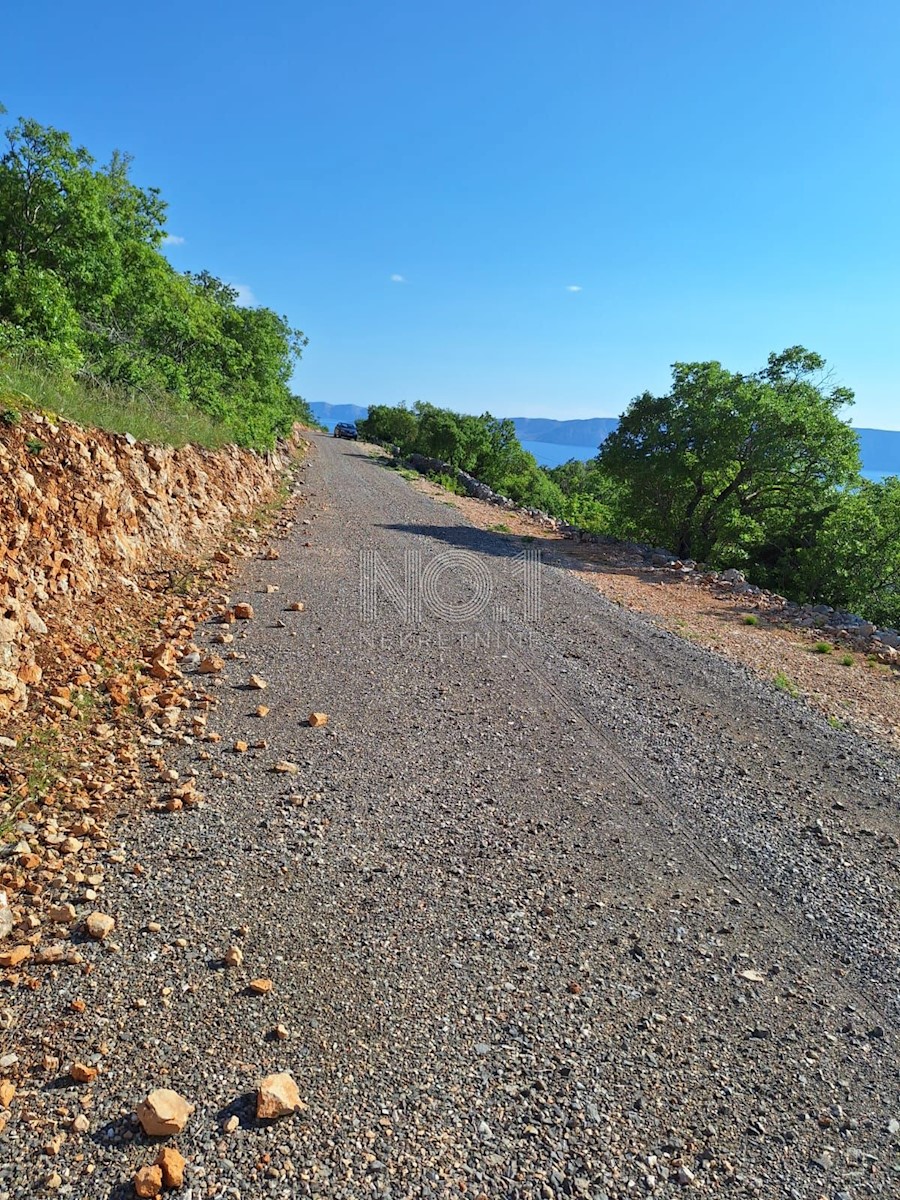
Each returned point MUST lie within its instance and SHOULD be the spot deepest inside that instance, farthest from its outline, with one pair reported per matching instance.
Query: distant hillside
(880, 447)
(590, 432)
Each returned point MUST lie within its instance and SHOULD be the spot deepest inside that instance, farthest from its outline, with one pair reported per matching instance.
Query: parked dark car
(346, 429)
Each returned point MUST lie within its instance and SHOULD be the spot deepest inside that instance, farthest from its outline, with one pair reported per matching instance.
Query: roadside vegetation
(98, 326)
(485, 446)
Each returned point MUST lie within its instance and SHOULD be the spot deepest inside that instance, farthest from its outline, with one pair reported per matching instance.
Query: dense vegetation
(484, 446)
(88, 299)
(758, 471)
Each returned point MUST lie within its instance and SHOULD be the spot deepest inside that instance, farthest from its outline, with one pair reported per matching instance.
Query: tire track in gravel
(651, 792)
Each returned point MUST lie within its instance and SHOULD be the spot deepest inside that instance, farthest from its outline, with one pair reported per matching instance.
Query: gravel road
(557, 904)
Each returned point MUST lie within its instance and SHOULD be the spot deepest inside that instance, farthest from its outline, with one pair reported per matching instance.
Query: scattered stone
(163, 663)
(148, 1181)
(211, 665)
(258, 683)
(99, 926)
(172, 1165)
(82, 1073)
(261, 986)
(163, 1113)
(6, 918)
(281, 1032)
(316, 719)
(240, 747)
(231, 1124)
(277, 1096)
(7, 1092)
(62, 914)
(243, 612)
(14, 956)
(263, 710)
(753, 976)
(283, 767)
(297, 606)
(80, 1124)
(234, 956)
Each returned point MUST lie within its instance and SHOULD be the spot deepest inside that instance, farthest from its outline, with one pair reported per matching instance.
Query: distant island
(879, 448)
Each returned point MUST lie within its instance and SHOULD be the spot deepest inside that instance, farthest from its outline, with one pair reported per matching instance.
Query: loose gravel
(558, 906)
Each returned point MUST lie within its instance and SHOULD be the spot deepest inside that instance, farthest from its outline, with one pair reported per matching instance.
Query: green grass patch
(823, 648)
(500, 528)
(847, 660)
(448, 482)
(785, 684)
(750, 619)
(159, 418)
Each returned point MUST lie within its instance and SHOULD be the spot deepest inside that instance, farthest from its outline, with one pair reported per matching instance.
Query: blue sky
(420, 187)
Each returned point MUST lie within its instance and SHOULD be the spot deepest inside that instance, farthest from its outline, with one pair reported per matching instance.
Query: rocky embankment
(81, 509)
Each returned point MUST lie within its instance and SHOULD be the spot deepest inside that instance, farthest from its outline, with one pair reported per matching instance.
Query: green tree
(485, 446)
(84, 287)
(854, 561)
(724, 464)
(393, 425)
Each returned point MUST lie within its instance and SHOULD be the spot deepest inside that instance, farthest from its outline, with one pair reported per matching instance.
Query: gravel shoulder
(558, 903)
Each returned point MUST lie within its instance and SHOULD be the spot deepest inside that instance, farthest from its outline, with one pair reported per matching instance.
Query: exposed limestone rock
(172, 1165)
(163, 1113)
(277, 1096)
(96, 506)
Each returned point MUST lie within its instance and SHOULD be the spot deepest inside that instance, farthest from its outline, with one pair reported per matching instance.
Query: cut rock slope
(81, 507)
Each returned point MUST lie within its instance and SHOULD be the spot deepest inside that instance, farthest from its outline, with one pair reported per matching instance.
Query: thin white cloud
(573, 287)
(172, 239)
(398, 279)
(245, 295)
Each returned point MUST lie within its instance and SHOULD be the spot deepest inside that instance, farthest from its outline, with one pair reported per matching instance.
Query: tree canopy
(485, 446)
(854, 558)
(727, 465)
(84, 288)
